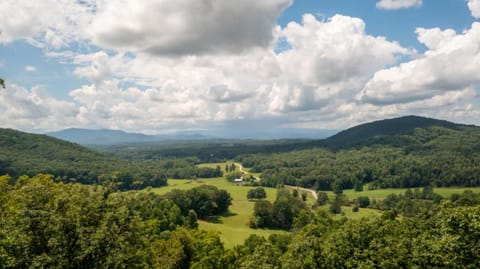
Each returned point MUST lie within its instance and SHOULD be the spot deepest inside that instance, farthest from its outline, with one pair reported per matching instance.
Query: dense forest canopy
(44, 224)
(436, 156)
(29, 154)
(397, 132)
(403, 152)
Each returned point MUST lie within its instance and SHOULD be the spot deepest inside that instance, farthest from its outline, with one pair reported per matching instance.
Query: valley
(240, 198)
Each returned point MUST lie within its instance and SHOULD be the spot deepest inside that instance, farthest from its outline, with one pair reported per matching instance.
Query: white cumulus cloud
(328, 64)
(34, 109)
(398, 4)
(56, 23)
(474, 6)
(185, 26)
(159, 65)
(331, 59)
(450, 64)
(30, 68)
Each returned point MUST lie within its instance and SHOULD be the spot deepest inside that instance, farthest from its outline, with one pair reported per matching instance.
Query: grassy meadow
(233, 227)
(382, 193)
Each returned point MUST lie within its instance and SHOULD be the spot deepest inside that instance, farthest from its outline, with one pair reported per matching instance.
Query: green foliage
(295, 193)
(262, 215)
(52, 225)
(384, 131)
(233, 175)
(31, 154)
(191, 219)
(336, 206)
(358, 186)
(467, 198)
(264, 256)
(437, 156)
(337, 187)
(184, 168)
(257, 193)
(446, 238)
(280, 214)
(322, 198)
(205, 152)
(363, 201)
(205, 200)
(44, 224)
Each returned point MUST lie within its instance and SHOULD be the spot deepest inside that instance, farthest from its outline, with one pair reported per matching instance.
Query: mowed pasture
(445, 192)
(233, 226)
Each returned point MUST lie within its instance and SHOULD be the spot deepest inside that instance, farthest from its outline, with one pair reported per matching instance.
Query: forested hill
(440, 154)
(29, 154)
(100, 137)
(388, 131)
(410, 133)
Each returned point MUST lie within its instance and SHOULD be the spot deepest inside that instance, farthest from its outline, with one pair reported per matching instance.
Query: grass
(382, 193)
(214, 165)
(447, 192)
(233, 226)
(347, 212)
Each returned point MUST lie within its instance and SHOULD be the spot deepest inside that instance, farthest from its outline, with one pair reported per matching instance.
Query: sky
(158, 66)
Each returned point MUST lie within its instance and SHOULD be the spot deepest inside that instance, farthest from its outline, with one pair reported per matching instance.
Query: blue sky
(156, 66)
(397, 25)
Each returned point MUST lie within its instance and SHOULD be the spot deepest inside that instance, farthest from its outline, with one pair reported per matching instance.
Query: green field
(233, 227)
(214, 165)
(382, 193)
(347, 212)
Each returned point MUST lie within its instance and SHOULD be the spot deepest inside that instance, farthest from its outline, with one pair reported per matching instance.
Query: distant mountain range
(356, 135)
(104, 136)
(23, 153)
(112, 137)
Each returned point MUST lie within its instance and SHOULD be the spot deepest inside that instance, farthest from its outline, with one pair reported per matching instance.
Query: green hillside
(389, 131)
(399, 153)
(397, 132)
(29, 154)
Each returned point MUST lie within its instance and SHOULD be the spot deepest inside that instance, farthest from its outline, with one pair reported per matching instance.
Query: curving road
(314, 193)
(245, 172)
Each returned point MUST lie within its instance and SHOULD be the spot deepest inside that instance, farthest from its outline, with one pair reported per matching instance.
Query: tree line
(44, 224)
(436, 156)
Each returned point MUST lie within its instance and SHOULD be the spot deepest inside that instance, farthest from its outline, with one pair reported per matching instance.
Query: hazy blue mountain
(358, 135)
(273, 133)
(101, 137)
(111, 137)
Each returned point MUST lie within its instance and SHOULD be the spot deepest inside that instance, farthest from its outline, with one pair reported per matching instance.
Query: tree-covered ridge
(385, 131)
(398, 132)
(29, 154)
(435, 156)
(205, 151)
